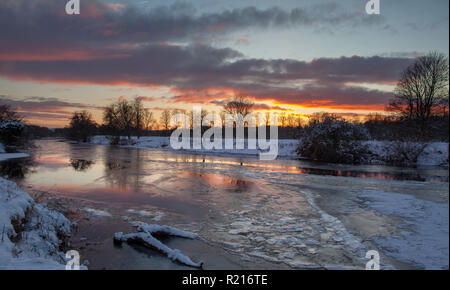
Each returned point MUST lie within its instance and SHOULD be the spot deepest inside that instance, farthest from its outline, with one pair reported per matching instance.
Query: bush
(119, 140)
(82, 127)
(404, 153)
(332, 139)
(11, 132)
(115, 140)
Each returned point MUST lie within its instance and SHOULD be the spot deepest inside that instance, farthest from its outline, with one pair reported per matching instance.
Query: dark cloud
(45, 111)
(42, 107)
(197, 68)
(41, 26)
(114, 45)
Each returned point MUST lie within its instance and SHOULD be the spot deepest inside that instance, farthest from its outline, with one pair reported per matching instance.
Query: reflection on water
(123, 168)
(374, 175)
(58, 163)
(81, 164)
(233, 184)
(174, 180)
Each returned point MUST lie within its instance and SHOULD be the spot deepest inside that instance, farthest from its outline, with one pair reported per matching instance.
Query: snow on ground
(156, 216)
(6, 156)
(424, 233)
(30, 233)
(286, 148)
(145, 236)
(435, 154)
(97, 212)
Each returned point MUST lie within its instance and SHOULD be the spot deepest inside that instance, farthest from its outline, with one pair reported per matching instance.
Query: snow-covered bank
(428, 154)
(6, 156)
(286, 148)
(30, 233)
(434, 154)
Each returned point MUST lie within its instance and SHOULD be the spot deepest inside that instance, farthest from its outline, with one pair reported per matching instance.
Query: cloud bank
(168, 46)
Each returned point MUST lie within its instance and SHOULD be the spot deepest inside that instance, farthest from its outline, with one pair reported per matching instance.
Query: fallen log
(145, 237)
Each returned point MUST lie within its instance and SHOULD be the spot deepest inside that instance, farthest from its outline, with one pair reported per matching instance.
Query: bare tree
(321, 117)
(110, 119)
(139, 115)
(126, 117)
(291, 120)
(267, 119)
(222, 117)
(298, 121)
(148, 120)
(165, 119)
(422, 89)
(239, 105)
(283, 120)
(6, 113)
(82, 126)
(203, 114)
(120, 117)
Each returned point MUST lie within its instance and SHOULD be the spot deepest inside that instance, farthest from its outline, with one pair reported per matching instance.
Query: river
(249, 214)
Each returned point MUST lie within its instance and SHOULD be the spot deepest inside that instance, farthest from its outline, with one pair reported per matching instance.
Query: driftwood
(145, 237)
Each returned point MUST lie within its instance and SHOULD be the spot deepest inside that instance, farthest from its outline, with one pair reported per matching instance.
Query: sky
(288, 56)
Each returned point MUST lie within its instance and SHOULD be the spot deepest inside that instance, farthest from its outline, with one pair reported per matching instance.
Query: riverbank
(31, 234)
(5, 156)
(380, 152)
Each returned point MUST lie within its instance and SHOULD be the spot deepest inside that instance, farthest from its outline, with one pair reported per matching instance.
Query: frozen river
(248, 213)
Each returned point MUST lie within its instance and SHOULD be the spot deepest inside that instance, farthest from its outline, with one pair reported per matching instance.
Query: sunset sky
(287, 55)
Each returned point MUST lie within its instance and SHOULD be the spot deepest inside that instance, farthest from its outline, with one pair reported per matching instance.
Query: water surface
(248, 213)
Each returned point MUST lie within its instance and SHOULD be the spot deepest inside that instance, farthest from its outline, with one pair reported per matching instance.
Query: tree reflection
(81, 164)
(123, 167)
(82, 157)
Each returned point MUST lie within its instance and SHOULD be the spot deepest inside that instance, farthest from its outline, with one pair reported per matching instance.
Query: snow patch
(156, 216)
(286, 148)
(6, 156)
(97, 212)
(30, 233)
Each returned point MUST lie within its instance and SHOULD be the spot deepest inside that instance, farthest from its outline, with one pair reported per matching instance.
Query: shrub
(403, 153)
(11, 132)
(332, 139)
(82, 126)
